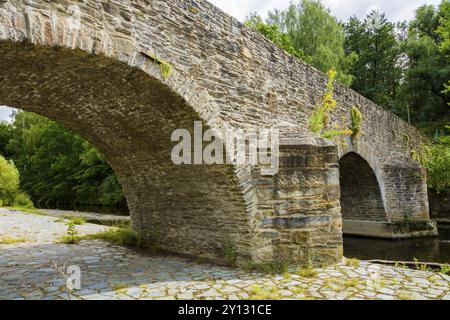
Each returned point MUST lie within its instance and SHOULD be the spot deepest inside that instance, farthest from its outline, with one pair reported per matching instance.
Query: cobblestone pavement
(31, 270)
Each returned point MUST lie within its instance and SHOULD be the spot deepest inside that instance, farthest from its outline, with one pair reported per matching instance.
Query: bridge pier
(298, 212)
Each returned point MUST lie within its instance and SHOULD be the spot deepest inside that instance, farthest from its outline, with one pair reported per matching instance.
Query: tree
(273, 33)
(58, 168)
(377, 71)
(428, 69)
(9, 181)
(317, 36)
(443, 29)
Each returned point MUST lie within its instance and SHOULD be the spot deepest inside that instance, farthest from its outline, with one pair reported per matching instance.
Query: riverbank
(30, 269)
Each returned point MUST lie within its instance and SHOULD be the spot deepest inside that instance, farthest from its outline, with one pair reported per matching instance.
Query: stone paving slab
(31, 270)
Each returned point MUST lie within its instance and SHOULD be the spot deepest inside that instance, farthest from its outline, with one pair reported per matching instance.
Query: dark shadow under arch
(360, 192)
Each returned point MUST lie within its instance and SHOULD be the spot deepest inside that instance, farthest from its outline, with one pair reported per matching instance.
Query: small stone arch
(361, 197)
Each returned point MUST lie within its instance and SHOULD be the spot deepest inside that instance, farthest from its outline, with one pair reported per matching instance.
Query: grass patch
(119, 286)
(421, 266)
(351, 283)
(352, 262)
(307, 272)
(26, 210)
(120, 236)
(78, 221)
(404, 296)
(259, 293)
(445, 269)
(12, 240)
(275, 267)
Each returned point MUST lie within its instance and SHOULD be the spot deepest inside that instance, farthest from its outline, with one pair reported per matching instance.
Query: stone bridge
(125, 74)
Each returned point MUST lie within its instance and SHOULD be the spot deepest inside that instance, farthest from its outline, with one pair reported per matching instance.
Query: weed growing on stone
(352, 262)
(72, 236)
(259, 293)
(445, 269)
(12, 240)
(420, 266)
(351, 283)
(276, 267)
(404, 296)
(119, 286)
(78, 221)
(230, 254)
(307, 272)
(120, 236)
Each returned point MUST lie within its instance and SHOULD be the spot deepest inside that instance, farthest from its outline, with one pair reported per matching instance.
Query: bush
(22, 200)
(72, 236)
(120, 236)
(436, 160)
(9, 181)
(357, 119)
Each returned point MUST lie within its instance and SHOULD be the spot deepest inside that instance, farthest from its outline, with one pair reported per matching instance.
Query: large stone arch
(129, 116)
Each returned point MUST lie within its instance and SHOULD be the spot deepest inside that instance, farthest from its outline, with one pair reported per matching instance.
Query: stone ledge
(390, 230)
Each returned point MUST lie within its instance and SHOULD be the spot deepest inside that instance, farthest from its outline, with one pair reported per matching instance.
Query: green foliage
(273, 33)
(377, 71)
(77, 221)
(258, 293)
(352, 262)
(120, 236)
(319, 121)
(9, 181)
(443, 29)
(72, 236)
(307, 272)
(356, 121)
(428, 69)
(166, 68)
(230, 254)
(7, 240)
(308, 31)
(22, 201)
(58, 168)
(445, 269)
(320, 116)
(436, 159)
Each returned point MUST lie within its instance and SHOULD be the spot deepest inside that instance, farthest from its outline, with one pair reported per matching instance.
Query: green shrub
(319, 121)
(77, 221)
(22, 200)
(72, 236)
(230, 254)
(436, 159)
(445, 269)
(9, 181)
(356, 119)
(120, 236)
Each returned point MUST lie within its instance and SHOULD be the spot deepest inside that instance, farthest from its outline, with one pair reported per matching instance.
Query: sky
(396, 10)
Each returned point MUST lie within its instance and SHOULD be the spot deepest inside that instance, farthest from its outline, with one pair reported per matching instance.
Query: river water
(424, 249)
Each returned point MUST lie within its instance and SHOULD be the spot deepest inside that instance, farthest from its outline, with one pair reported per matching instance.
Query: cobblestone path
(30, 269)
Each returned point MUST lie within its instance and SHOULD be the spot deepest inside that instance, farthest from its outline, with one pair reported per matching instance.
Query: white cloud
(396, 10)
(5, 113)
